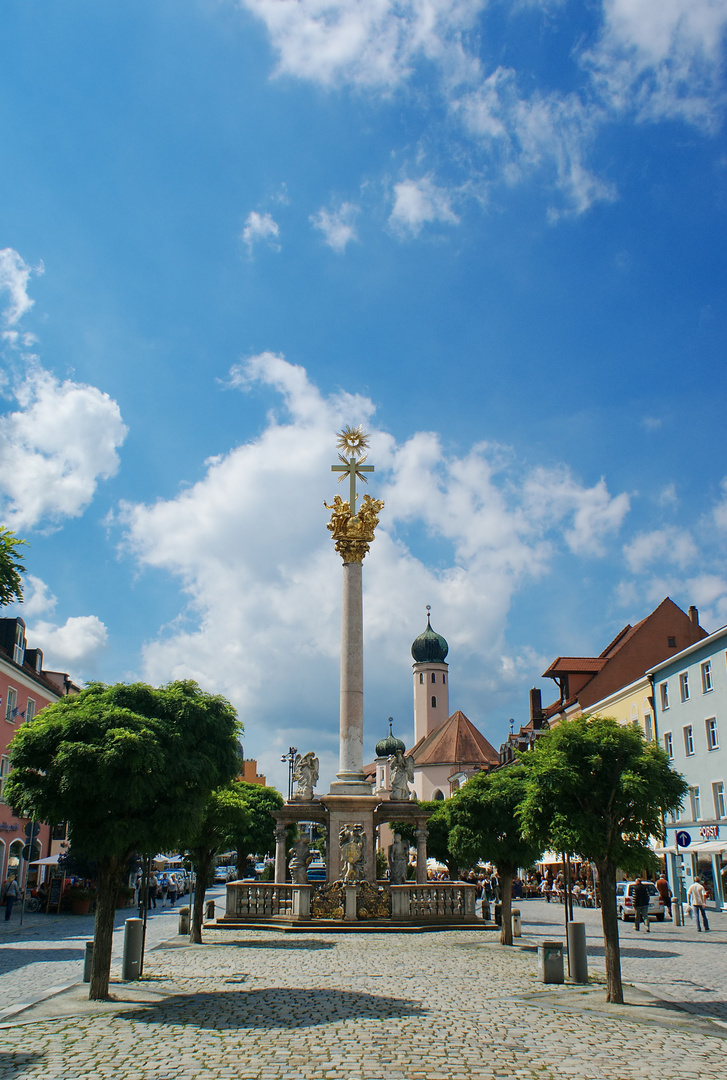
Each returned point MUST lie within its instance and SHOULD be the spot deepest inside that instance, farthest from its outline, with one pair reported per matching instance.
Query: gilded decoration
(353, 534)
(329, 902)
(372, 903)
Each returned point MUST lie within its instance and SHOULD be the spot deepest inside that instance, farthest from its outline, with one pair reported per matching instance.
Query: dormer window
(19, 646)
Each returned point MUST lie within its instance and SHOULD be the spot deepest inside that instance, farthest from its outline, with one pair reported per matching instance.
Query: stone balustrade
(433, 902)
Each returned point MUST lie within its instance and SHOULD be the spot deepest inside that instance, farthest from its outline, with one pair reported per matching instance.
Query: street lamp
(290, 758)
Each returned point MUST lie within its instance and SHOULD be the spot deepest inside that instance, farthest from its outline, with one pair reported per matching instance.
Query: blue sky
(491, 232)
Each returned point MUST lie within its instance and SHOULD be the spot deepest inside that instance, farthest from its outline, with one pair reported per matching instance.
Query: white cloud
(37, 597)
(249, 545)
(14, 277)
(420, 202)
(669, 546)
(662, 58)
(720, 509)
(55, 448)
(73, 647)
(260, 228)
(337, 225)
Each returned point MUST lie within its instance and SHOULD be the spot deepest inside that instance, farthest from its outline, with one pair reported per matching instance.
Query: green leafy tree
(11, 567)
(226, 817)
(438, 835)
(130, 768)
(485, 828)
(258, 835)
(599, 789)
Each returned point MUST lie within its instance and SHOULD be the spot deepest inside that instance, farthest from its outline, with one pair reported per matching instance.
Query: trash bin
(550, 962)
(577, 955)
(516, 923)
(133, 940)
(183, 920)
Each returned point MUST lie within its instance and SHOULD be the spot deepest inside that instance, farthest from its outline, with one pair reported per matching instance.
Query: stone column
(421, 834)
(350, 778)
(280, 854)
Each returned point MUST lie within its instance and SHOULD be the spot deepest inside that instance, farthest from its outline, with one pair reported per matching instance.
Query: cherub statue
(340, 517)
(368, 513)
(352, 839)
(401, 771)
(298, 864)
(305, 774)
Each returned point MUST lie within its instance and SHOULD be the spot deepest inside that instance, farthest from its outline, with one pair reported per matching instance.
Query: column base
(350, 787)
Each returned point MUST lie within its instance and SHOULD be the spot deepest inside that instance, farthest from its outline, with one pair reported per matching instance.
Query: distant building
(690, 700)
(249, 773)
(25, 688)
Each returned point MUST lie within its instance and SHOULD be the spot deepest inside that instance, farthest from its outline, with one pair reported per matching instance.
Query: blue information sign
(683, 839)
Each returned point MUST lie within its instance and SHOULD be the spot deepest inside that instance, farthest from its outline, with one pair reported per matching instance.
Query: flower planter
(80, 907)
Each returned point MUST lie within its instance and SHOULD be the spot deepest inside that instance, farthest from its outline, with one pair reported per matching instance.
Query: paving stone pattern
(265, 1005)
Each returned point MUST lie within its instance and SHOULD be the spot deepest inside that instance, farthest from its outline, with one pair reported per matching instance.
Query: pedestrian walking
(641, 905)
(697, 899)
(662, 887)
(153, 889)
(164, 888)
(12, 893)
(172, 890)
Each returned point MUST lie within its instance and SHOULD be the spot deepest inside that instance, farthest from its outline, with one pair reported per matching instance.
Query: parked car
(625, 902)
(220, 877)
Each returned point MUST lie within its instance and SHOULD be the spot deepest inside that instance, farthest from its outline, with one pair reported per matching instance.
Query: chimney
(536, 709)
(694, 615)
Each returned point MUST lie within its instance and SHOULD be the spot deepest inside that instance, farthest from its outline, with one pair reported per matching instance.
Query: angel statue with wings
(305, 774)
(401, 771)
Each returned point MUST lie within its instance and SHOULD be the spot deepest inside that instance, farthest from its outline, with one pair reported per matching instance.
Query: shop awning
(50, 860)
(706, 847)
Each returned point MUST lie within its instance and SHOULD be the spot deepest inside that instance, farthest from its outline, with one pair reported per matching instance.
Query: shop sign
(709, 832)
(5, 827)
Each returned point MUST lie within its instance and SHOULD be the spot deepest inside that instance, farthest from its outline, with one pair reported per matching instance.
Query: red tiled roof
(455, 742)
(572, 665)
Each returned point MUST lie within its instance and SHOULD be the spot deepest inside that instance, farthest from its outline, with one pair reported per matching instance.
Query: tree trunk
(108, 884)
(609, 920)
(202, 869)
(241, 864)
(506, 874)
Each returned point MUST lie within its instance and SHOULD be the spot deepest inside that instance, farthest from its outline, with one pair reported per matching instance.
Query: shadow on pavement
(16, 1064)
(275, 1007)
(12, 959)
(635, 952)
(306, 944)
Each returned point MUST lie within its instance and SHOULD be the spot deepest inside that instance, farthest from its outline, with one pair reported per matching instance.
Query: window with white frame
(684, 686)
(695, 803)
(19, 646)
(707, 677)
(669, 744)
(4, 773)
(648, 727)
(664, 692)
(718, 796)
(29, 710)
(689, 740)
(712, 733)
(11, 705)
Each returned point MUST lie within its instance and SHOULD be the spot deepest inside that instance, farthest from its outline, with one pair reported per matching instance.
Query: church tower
(431, 682)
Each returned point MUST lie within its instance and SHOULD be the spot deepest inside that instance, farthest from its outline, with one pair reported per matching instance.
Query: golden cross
(355, 440)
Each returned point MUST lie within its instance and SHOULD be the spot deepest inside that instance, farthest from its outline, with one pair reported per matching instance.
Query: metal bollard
(577, 955)
(183, 920)
(209, 911)
(516, 922)
(550, 962)
(133, 940)
(87, 961)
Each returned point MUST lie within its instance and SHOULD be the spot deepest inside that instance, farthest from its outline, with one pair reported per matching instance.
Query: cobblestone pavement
(47, 951)
(673, 962)
(264, 1005)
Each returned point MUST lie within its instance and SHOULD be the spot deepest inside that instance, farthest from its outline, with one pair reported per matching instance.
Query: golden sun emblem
(353, 439)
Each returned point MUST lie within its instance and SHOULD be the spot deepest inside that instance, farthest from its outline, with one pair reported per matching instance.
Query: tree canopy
(226, 816)
(130, 768)
(597, 788)
(485, 827)
(258, 835)
(11, 567)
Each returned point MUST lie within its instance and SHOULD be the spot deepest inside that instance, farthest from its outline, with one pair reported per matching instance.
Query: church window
(438, 796)
(434, 677)
(421, 676)
(444, 678)
(434, 703)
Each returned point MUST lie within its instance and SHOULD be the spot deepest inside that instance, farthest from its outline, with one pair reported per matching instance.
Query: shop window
(707, 677)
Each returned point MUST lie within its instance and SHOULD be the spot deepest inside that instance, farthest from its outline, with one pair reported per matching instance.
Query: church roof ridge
(455, 742)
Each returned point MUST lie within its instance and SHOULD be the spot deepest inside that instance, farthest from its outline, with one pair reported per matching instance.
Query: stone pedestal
(350, 810)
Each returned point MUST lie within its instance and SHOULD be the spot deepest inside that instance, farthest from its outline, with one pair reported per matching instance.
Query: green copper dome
(429, 647)
(390, 744)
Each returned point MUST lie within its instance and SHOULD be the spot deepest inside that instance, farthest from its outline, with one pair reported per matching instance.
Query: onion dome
(390, 744)
(429, 647)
